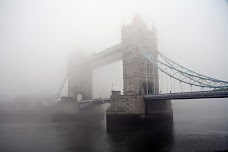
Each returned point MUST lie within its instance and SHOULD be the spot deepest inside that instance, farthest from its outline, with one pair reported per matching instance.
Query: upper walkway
(107, 56)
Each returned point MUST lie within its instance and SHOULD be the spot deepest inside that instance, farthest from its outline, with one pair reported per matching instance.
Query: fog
(37, 37)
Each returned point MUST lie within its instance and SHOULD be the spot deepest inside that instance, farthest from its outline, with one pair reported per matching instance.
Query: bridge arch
(143, 88)
(79, 97)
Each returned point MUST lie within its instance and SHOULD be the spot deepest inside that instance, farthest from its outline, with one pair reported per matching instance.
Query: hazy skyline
(36, 37)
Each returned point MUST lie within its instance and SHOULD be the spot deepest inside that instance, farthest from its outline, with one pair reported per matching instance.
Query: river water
(199, 125)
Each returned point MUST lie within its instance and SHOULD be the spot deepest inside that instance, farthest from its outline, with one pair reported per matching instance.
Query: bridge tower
(79, 82)
(140, 77)
(79, 77)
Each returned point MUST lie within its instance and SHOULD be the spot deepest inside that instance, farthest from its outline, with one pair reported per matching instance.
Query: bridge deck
(165, 96)
(188, 95)
(86, 103)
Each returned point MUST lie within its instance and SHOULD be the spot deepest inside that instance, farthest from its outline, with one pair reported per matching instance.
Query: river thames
(198, 125)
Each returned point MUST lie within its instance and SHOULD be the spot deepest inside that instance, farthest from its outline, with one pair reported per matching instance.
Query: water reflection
(195, 130)
(89, 134)
(146, 137)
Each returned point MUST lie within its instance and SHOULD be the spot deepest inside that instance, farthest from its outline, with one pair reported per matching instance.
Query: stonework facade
(136, 105)
(133, 105)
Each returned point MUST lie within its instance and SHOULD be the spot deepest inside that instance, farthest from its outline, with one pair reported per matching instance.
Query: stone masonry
(139, 75)
(126, 105)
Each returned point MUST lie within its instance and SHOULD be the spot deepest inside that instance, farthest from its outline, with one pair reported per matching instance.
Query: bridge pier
(158, 110)
(134, 110)
(66, 109)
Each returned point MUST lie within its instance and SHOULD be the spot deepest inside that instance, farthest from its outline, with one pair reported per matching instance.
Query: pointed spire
(137, 20)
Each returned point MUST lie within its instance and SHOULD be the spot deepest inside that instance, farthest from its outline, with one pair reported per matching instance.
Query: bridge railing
(97, 101)
(190, 95)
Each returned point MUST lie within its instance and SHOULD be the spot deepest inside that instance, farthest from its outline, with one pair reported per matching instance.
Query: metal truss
(182, 74)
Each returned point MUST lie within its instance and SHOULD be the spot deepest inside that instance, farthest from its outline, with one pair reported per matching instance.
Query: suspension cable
(198, 80)
(60, 90)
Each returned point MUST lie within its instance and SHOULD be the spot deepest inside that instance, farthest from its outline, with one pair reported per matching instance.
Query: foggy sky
(36, 37)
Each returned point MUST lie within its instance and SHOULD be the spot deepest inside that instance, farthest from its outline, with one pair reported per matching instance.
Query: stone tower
(79, 77)
(139, 75)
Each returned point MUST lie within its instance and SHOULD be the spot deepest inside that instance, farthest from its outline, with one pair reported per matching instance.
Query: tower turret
(138, 34)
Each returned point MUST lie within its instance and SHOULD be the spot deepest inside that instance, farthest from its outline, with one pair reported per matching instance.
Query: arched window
(130, 70)
(79, 97)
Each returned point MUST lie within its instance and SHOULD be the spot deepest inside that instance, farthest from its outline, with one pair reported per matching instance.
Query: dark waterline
(194, 129)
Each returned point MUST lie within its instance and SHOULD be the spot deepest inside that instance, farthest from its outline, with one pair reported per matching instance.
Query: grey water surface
(198, 125)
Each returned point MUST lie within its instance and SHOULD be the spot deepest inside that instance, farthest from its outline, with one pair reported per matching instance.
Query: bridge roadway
(164, 96)
(188, 95)
(99, 101)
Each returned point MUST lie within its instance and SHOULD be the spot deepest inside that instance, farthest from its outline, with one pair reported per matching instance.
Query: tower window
(130, 70)
(128, 85)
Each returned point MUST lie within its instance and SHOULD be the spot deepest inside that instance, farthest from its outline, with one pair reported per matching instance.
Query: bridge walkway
(188, 95)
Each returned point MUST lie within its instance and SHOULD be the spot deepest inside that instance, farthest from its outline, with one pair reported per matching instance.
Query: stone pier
(134, 110)
(66, 109)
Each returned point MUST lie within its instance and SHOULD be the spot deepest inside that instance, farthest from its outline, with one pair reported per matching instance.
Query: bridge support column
(134, 110)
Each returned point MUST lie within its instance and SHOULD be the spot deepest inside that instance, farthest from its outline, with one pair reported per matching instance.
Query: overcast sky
(37, 35)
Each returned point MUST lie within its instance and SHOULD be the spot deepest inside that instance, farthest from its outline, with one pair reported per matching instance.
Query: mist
(37, 37)
(37, 41)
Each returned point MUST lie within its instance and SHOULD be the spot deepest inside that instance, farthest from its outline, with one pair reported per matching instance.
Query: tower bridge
(141, 96)
(136, 34)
